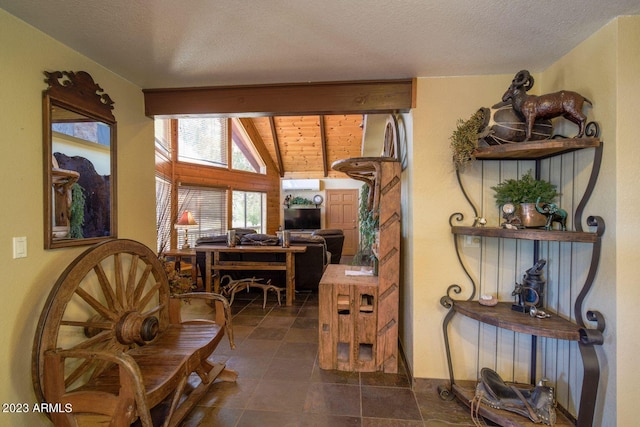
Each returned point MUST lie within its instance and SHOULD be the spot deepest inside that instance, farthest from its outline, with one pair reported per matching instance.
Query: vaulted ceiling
(306, 146)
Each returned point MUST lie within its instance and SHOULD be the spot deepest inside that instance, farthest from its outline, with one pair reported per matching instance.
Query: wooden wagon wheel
(390, 146)
(114, 296)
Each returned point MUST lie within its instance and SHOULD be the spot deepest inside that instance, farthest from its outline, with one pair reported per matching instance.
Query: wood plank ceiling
(306, 146)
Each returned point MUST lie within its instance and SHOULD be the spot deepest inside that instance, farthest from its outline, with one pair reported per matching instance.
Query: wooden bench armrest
(223, 317)
(127, 365)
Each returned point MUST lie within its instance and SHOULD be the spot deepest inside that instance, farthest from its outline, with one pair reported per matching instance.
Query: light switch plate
(19, 247)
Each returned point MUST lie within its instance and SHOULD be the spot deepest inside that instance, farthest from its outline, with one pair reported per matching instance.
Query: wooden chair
(110, 343)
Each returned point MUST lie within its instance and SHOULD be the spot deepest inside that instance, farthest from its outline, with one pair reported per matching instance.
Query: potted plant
(464, 140)
(523, 194)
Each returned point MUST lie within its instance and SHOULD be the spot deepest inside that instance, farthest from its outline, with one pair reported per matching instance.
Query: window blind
(208, 205)
(203, 141)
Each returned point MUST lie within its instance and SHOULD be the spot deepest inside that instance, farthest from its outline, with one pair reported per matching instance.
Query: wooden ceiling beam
(276, 146)
(323, 143)
(367, 97)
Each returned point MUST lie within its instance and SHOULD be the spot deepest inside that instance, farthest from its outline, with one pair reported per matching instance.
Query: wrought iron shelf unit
(502, 316)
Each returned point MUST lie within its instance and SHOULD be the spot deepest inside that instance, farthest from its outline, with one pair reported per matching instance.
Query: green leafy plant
(300, 201)
(464, 140)
(76, 212)
(368, 227)
(524, 190)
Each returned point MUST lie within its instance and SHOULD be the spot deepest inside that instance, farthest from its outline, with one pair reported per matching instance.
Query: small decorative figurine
(530, 293)
(479, 221)
(531, 107)
(553, 214)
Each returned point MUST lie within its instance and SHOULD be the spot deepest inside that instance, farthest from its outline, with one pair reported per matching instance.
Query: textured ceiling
(168, 43)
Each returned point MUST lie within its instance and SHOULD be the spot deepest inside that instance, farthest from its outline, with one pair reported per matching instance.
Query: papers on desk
(361, 272)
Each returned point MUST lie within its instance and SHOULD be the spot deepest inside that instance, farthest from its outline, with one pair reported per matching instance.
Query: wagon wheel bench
(110, 343)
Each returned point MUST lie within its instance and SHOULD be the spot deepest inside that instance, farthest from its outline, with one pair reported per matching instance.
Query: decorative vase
(529, 217)
(503, 126)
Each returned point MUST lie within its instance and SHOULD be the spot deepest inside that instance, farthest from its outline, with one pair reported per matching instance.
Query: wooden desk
(213, 263)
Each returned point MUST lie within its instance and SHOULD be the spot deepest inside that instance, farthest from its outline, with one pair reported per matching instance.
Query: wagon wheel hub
(135, 328)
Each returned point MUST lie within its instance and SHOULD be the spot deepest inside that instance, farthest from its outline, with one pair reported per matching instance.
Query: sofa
(310, 265)
(334, 238)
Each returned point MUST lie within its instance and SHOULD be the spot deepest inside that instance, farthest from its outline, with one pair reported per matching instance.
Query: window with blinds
(203, 141)
(208, 206)
(163, 213)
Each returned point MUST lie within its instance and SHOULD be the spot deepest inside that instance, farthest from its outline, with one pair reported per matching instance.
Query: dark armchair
(335, 241)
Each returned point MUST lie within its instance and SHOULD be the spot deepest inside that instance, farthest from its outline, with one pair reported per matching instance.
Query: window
(97, 132)
(244, 155)
(203, 141)
(249, 210)
(163, 213)
(208, 206)
(162, 129)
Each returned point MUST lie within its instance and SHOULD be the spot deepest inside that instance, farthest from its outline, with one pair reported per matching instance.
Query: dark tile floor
(280, 383)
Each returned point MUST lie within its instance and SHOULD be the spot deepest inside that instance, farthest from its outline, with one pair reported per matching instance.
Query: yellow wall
(435, 196)
(627, 203)
(598, 82)
(26, 282)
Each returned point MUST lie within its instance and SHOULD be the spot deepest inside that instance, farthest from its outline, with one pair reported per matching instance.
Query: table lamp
(186, 222)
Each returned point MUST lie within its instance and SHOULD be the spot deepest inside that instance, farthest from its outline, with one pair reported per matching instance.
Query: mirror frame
(78, 93)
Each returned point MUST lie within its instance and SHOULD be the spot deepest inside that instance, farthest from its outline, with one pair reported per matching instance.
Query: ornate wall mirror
(79, 161)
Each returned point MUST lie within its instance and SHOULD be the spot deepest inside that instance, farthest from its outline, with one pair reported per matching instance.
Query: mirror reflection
(80, 190)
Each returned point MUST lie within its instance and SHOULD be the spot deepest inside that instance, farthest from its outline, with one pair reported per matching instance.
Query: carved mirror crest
(79, 161)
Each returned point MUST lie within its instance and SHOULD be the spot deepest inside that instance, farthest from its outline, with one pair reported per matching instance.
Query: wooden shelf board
(527, 234)
(502, 316)
(465, 391)
(533, 150)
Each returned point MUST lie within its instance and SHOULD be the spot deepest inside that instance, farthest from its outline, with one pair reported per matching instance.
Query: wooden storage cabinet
(501, 316)
(348, 313)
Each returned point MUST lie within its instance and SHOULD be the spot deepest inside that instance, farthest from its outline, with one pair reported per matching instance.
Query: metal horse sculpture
(531, 107)
(553, 214)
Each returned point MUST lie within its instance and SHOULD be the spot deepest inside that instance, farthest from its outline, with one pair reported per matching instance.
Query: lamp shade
(186, 219)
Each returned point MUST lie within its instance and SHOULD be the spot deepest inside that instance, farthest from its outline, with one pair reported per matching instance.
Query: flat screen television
(302, 219)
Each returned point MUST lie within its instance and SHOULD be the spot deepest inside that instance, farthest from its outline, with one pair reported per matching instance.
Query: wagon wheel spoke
(107, 290)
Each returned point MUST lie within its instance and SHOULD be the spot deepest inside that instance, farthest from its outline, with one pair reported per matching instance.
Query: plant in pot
(522, 194)
(464, 140)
